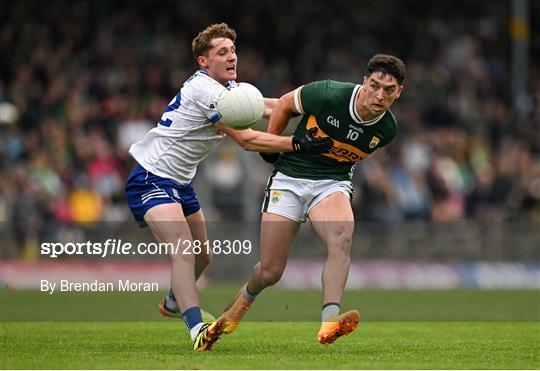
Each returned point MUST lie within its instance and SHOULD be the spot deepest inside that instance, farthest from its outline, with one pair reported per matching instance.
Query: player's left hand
(312, 144)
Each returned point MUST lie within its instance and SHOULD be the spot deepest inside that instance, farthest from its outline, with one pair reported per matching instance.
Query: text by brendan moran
(97, 286)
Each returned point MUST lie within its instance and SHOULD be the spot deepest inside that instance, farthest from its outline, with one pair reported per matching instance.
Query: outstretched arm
(280, 110)
(252, 140)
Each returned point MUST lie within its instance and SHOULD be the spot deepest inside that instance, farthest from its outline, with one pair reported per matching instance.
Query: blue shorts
(145, 190)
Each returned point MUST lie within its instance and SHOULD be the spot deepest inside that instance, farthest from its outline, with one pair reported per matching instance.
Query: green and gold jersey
(330, 106)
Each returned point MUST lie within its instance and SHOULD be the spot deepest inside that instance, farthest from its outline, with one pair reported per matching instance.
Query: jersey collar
(354, 113)
(229, 84)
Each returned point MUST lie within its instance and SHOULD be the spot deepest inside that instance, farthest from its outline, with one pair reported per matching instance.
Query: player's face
(379, 92)
(221, 61)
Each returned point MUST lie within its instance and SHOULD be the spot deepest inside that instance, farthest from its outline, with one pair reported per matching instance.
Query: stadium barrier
(299, 274)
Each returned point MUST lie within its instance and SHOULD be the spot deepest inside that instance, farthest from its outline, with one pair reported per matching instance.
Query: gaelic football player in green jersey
(317, 186)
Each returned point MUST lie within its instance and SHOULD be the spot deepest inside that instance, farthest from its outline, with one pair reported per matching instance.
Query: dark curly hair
(388, 65)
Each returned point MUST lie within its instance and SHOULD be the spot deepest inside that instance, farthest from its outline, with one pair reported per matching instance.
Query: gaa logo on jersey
(275, 196)
(374, 142)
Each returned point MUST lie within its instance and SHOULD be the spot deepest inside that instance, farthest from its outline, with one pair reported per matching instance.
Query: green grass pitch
(458, 329)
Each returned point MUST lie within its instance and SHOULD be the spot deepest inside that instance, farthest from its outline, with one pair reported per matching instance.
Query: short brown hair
(388, 65)
(202, 44)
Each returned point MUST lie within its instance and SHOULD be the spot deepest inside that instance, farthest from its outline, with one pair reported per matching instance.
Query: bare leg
(333, 220)
(277, 234)
(168, 224)
(197, 227)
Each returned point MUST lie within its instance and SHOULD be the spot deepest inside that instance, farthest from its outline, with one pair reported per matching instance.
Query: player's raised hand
(311, 144)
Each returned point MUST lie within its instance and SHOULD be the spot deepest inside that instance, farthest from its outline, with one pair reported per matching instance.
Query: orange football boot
(337, 326)
(235, 311)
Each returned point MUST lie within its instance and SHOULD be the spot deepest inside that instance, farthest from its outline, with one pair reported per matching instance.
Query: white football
(241, 107)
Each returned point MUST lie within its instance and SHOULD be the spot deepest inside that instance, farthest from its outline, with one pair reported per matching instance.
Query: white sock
(330, 310)
(195, 331)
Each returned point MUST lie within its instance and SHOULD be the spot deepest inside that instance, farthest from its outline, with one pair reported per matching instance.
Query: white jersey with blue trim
(186, 133)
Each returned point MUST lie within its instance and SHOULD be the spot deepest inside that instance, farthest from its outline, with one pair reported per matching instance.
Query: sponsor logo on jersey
(351, 126)
(341, 152)
(275, 196)
(332, 121)
(374, 142)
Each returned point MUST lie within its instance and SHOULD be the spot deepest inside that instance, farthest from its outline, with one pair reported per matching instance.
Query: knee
(182, 259)
(181, 256)
(341, 243)
(271, 276)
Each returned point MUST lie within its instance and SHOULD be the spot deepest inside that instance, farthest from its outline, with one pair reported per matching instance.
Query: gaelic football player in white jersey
(159, 190)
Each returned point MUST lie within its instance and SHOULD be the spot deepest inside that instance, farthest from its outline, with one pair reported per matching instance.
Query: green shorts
(293, 198)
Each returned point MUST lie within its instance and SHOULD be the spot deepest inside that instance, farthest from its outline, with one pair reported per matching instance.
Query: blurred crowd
(80, 81)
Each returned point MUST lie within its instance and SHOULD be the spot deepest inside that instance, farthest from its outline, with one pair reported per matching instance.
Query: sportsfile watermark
(70, 280)
(118, 247)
